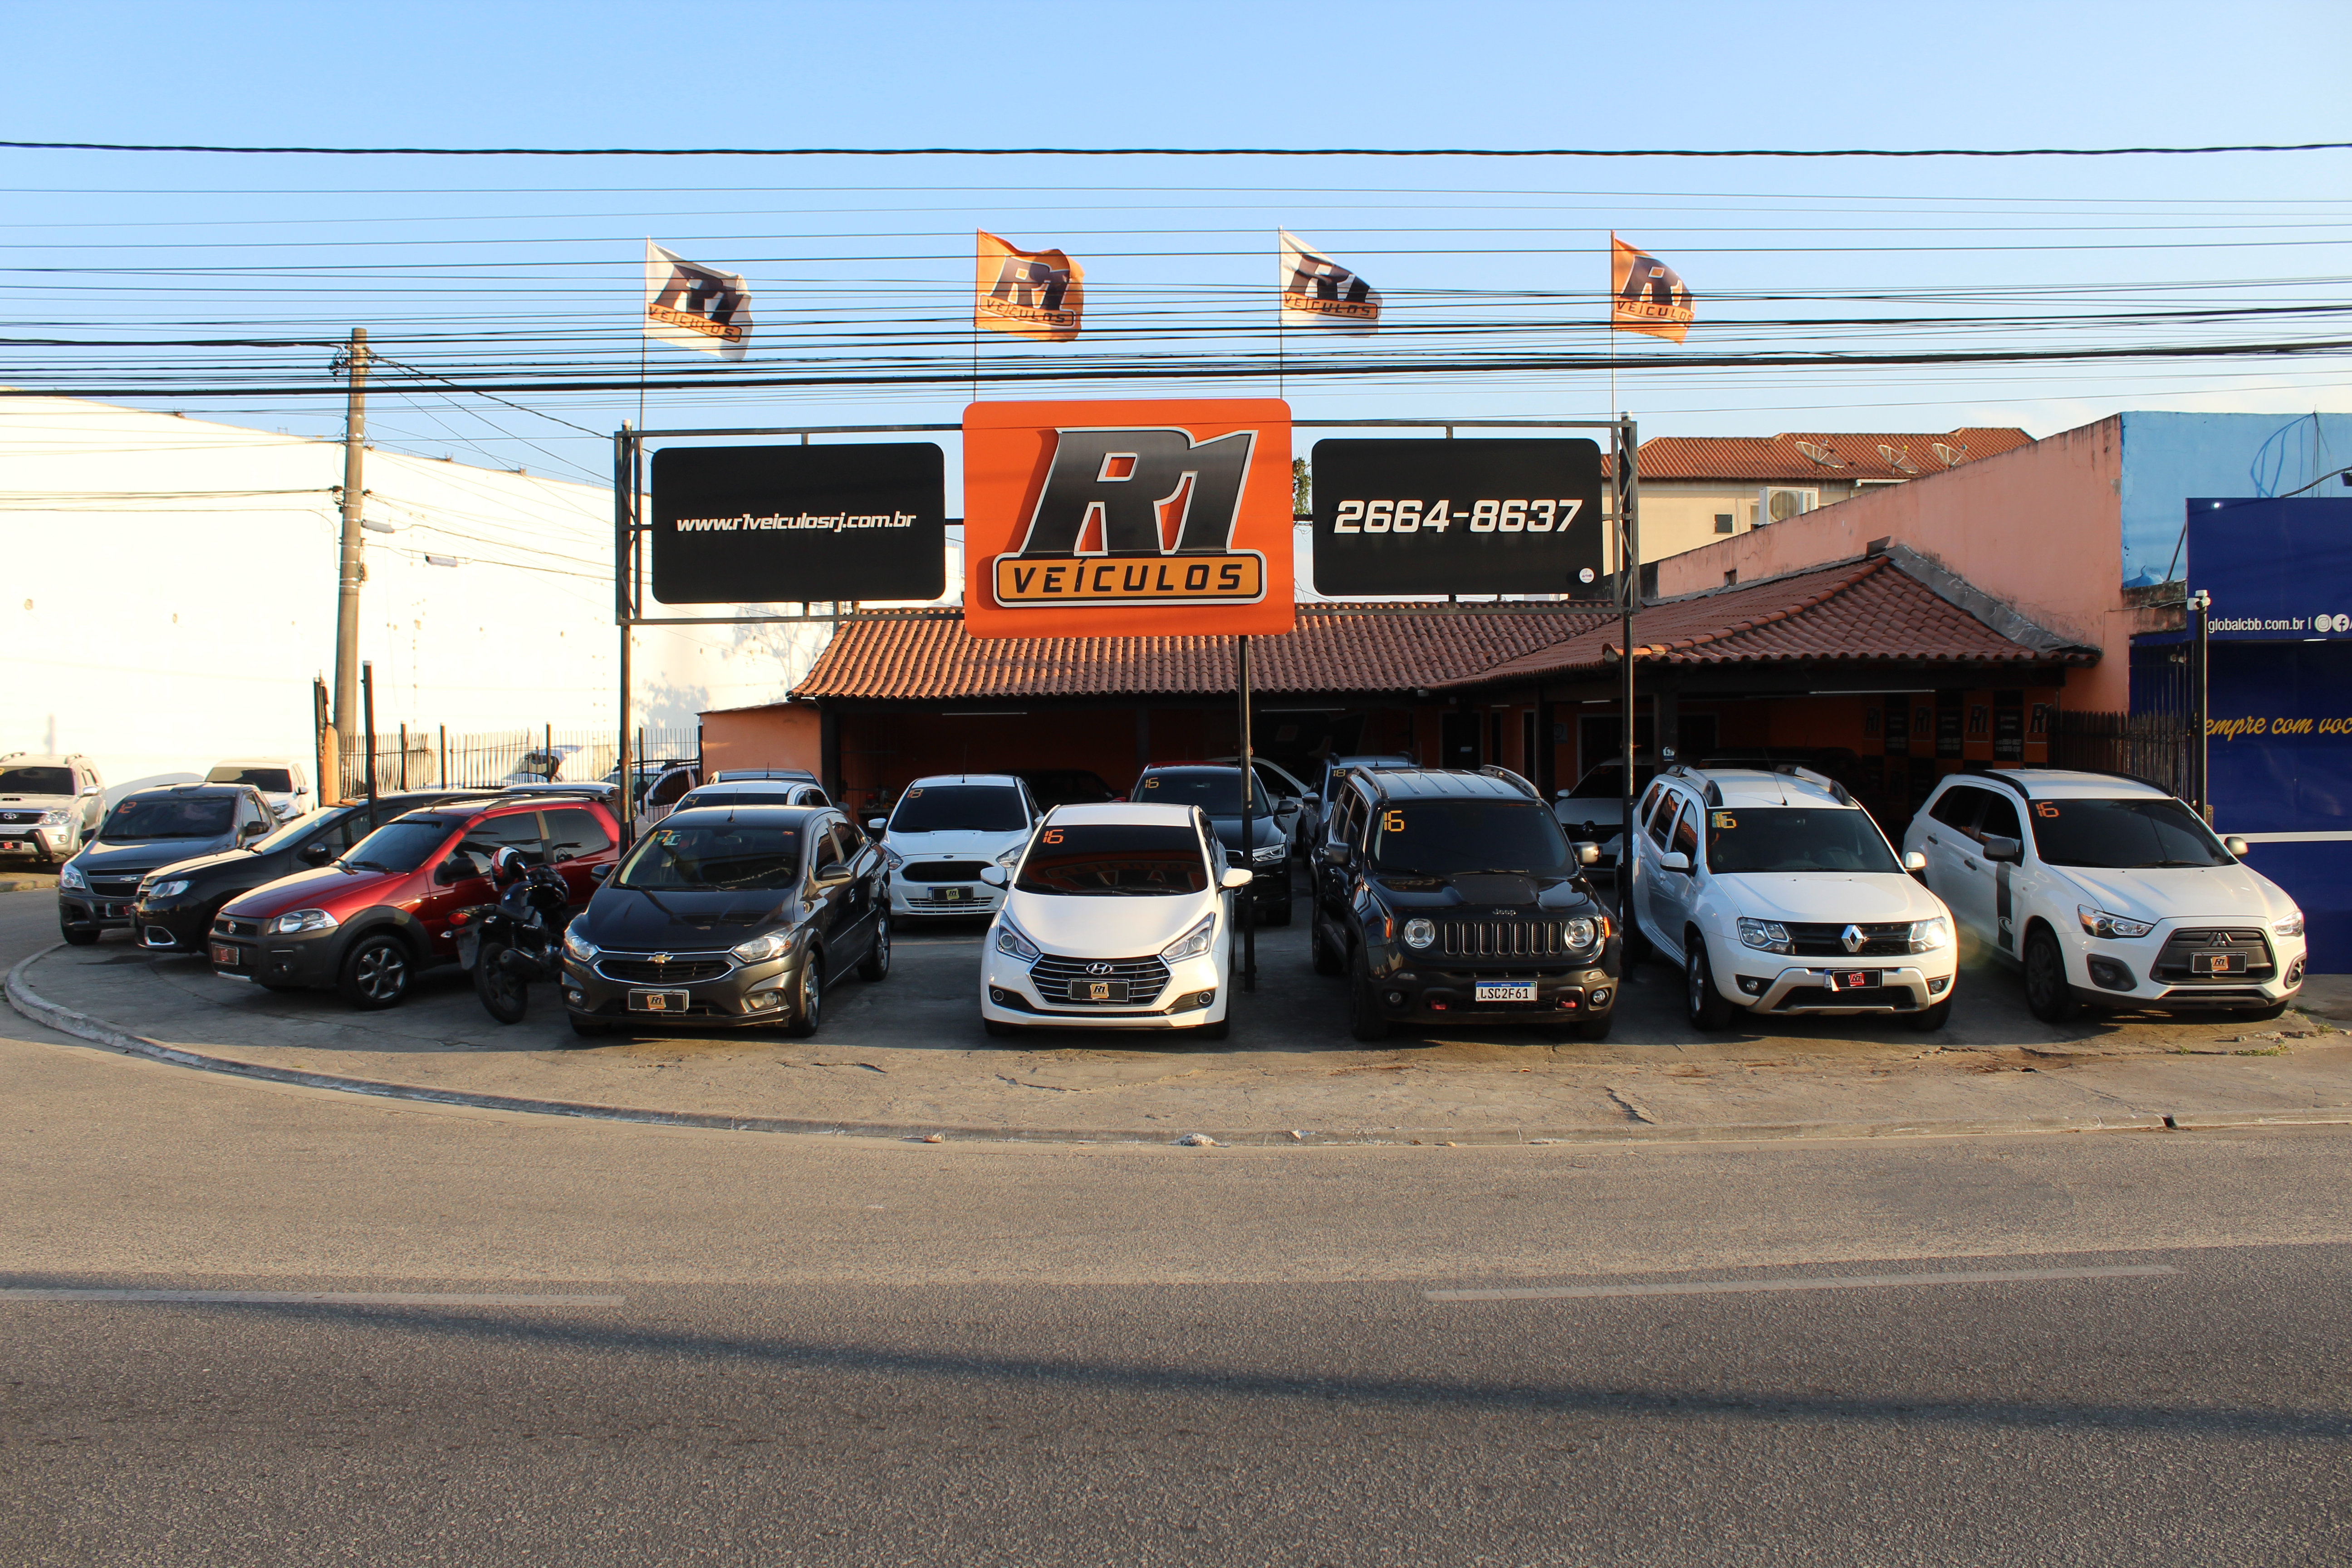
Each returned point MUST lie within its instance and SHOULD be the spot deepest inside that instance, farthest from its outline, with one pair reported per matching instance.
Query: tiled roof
(1850, 456)
(1857, 610)
(924, 656)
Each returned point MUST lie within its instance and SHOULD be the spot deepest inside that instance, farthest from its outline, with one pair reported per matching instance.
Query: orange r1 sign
(1127, 519)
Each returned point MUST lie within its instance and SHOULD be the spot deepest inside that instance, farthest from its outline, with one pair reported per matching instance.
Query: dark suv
(368, 922)
(1455, 896)
(98, 890)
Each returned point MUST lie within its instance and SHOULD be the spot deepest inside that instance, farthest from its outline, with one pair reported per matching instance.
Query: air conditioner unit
(1778, 505)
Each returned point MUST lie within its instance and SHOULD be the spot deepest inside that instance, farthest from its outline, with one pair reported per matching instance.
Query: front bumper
(1427, 988)
(1010, 993)
(2122, 972)
(1762, 983)
(104, 912)
(171, 927)
(919, 901)
(49, 843)
(240, 950)
(742, 996)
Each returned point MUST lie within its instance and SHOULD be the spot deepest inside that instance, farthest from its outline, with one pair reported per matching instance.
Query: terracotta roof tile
(1857, 610)
(1851, 455)
(924, 656)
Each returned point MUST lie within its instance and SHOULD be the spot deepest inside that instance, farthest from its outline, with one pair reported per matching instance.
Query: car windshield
(399, 846)
(1795, 838)
(170, 817)
(276, 781)
(718, 857)
(1604, 783)
(959, 808)
(2123, 834)
(1440, 838)
(36, 781)
(1115, 860)
(302, 827)
(1217, 791)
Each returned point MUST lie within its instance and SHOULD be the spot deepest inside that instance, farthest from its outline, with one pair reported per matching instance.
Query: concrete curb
(40, 1010)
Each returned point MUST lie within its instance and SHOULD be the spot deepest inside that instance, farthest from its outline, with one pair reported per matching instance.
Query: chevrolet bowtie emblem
(1851, 938)
(661, 958)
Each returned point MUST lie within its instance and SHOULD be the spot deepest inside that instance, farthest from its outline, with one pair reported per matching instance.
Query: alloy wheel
(381, 972)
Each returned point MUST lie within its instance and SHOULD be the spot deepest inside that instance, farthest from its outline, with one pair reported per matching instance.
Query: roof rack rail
(2005, 777)
(1496, 771)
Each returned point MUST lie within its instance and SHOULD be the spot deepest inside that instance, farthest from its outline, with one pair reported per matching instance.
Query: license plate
(1853, 980)
(657, 1002)
(12, 838)
(2216, 963)
(113, 911)
(1505, 990)
(950, 895)
(226, 956)
(1097, 990)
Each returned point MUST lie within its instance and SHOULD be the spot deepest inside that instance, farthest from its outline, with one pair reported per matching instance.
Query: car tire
(2047, 993)
(1365, 1020)
(1326, 960)
(376, 973)
(505, 996)
(808, 997)
(588, 1029)
(1931, 1018)
(998, 1029)
(1706, 1006)
(1595, 1029)
(77, 936)
(876, 964)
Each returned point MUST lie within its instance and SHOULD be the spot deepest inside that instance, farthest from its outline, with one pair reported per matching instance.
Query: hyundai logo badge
(1851, 938)
(1098, 969)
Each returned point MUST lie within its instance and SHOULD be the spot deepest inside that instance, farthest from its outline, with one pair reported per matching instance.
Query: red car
(368, 922)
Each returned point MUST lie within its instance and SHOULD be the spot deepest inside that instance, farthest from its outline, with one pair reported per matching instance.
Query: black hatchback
(176, 902)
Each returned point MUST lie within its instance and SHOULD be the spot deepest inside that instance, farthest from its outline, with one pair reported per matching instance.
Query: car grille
(679, 971)
(114, 887)
(21, 818)
(1131, 979)
(1502, 938)
(942, 871)
(2247, 942)
(1828, 941)
(228, 925)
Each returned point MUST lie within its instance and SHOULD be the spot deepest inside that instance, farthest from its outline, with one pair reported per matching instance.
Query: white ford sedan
(1118, 917)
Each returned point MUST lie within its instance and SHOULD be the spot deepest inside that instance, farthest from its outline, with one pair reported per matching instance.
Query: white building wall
(170, 595)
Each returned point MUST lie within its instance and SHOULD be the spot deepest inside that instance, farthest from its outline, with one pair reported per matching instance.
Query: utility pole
(347, 586)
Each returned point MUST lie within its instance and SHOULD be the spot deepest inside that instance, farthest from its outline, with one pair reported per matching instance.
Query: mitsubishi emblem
(1098, 968)
(1851, 938)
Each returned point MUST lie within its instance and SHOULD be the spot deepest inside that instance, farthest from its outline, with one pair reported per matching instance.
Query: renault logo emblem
(1098, 969)
(1851, 938)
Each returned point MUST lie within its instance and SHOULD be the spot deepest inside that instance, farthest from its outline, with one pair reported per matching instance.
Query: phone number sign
(1458, 517)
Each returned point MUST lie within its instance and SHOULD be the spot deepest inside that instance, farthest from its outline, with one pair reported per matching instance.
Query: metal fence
(2152, 746)
(411, 757)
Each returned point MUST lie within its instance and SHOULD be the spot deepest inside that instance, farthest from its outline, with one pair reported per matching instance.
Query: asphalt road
(780, 1350)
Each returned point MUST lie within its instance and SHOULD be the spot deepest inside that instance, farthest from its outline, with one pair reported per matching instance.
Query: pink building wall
(2040, 527)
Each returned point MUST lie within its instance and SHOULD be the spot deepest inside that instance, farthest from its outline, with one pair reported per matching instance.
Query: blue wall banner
(2279, 571)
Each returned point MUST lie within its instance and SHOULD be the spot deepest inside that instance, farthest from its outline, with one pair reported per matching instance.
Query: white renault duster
(2109, 890)
(1776, 893)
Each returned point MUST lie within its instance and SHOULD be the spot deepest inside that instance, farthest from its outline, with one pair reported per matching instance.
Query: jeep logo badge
(1851, 938)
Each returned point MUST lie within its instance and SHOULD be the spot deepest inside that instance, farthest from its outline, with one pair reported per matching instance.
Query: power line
(1188, 152)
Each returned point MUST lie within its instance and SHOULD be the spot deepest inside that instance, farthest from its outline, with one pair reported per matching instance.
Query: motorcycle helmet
(506, 865)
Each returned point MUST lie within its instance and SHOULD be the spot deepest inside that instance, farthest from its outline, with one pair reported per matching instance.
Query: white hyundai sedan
(1117, 918)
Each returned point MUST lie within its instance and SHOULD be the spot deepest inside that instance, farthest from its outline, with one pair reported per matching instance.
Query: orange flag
(1645, 294)
(1030, 293)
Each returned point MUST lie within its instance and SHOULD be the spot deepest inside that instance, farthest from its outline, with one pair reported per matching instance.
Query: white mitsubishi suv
(946, 830)
(2108, 889)
(1776, 893)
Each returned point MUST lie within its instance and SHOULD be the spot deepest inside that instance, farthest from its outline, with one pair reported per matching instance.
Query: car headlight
(71, 878)
(1013, 944)
(1931, 935)
(171, 889)
(1420, 931)
(1769, 935)
(579, 949)
(1581, 933)
(2291, 926)
(765, 946)
(1193, 942)
(294, 922)
(2098, 923)
(57, 818)
(1270, 855)
(892, 858)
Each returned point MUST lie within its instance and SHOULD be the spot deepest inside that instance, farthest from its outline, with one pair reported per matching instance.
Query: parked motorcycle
(519, 939)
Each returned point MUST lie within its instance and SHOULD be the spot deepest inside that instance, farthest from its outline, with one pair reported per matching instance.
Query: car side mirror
(1674, 860)
(318, 854)
(254, 830)
(450, 872)
(598, 873)
(1337, 853)
(1915, 862)
(834, 875)
(93, 789)
(995, 875)
(1235, 877)
(1997, 846)
(2237, 847)
(877, 825)
(1587, 854)
(1286, 806)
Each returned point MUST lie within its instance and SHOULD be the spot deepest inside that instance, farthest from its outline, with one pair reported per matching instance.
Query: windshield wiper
(364, 865)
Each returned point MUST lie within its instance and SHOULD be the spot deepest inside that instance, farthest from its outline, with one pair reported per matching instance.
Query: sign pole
(625, 506)
(1629, 589)
(1248, 898)
(2201, 604)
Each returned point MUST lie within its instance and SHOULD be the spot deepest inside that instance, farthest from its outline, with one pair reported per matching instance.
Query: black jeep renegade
(1455, 896)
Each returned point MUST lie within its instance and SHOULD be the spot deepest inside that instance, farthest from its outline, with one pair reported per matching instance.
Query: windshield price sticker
(1726, 821)
(1417, 516)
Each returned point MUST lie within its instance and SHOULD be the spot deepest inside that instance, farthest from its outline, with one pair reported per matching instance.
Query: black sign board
(2008, 726)
(1458, 517)
(756, 525)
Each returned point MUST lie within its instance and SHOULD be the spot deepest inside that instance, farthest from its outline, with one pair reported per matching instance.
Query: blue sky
(844, 252)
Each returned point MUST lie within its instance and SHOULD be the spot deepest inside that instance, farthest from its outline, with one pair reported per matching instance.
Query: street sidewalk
(906, 1056)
